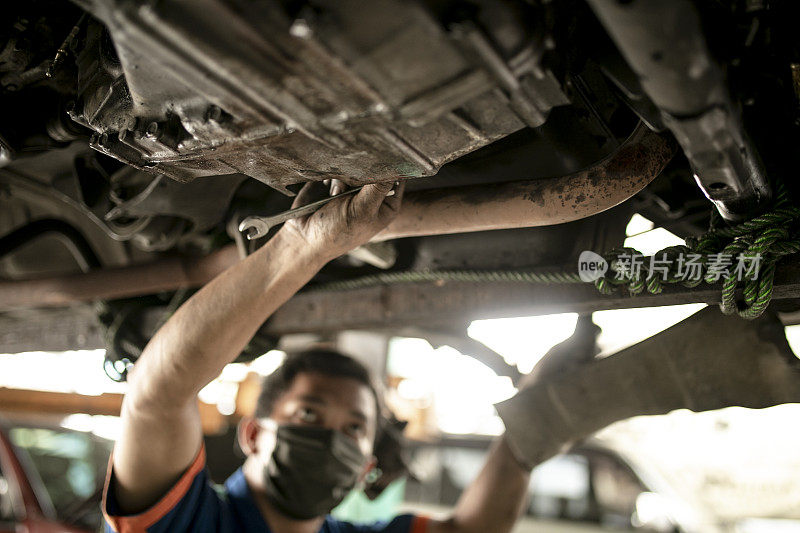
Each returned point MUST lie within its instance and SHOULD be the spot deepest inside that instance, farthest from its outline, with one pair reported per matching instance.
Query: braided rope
(760, 242)
(474, 276)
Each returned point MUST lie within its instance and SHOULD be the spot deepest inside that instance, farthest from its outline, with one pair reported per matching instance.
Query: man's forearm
(494, 501)
(161, 430)
(211, 328)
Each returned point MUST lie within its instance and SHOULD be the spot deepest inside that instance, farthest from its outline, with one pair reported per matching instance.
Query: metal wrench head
(254, 227)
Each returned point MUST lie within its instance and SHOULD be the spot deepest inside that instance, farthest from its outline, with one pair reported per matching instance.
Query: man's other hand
(577, 350)
(347, 222)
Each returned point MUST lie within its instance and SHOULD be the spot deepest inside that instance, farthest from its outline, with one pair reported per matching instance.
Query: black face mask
(311, 470)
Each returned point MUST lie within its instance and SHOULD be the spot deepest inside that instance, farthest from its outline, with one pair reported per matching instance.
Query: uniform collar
(243, 503)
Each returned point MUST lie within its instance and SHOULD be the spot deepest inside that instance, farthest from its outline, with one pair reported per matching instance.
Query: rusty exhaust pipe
(112, 283)
(517, 204)
(540, 202)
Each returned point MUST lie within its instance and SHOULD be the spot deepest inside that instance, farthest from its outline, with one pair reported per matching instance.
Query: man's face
(344, 405)
(339, 403)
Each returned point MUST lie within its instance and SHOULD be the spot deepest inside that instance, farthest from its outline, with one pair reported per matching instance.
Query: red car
(50, 478)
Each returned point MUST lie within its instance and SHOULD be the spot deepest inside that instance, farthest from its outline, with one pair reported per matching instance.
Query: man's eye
(307, 415)
(355, 430)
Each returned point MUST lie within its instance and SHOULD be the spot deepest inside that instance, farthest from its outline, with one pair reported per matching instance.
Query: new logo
(591, 266)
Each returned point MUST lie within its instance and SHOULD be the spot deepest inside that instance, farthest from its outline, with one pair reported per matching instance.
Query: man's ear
(246, 434)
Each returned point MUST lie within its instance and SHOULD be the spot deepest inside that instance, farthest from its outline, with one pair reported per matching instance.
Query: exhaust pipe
(539, 202)
(113, 283)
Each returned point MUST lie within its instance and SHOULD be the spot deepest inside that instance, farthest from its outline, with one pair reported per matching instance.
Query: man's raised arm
(161, 432)
(494, 501)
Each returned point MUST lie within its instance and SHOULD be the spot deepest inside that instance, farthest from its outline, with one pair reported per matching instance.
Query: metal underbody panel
(340, 90)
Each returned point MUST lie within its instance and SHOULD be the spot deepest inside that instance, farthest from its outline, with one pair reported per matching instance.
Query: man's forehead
(344, 392)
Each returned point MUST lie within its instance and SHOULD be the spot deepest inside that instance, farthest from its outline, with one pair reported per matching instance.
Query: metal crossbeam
(442, 303)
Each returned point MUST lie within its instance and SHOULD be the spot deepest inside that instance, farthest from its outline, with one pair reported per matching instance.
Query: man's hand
(577, 350)
(345, 223)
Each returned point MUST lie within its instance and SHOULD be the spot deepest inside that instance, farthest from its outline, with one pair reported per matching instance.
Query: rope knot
(741, 256)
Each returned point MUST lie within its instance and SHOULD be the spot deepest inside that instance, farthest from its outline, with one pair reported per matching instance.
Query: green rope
(760, 241)
(474, 276)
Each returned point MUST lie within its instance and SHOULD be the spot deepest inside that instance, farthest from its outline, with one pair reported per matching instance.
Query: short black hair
(314, 360)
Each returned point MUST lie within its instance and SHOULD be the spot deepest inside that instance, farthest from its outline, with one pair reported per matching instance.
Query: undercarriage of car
(136, 136)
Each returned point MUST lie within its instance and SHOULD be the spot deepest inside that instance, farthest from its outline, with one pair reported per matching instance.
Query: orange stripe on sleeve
(140, 522)
(420, 524)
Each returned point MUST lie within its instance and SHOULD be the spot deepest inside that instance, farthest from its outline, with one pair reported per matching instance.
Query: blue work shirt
(195, 505)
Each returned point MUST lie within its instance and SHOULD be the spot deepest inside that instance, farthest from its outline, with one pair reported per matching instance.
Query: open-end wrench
(256, 227)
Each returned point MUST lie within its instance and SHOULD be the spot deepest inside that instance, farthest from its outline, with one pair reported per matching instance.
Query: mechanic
(311, 439)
